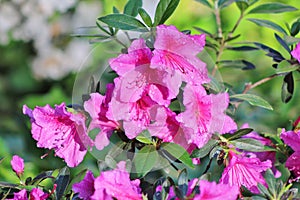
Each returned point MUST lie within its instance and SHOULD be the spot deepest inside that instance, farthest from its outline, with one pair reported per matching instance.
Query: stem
(121, 43)
(218, 20)
(219, 54)
(264, 80)
(236, 24)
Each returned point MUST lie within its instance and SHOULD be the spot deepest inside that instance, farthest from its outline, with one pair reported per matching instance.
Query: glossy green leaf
(144, 137)
(277, 57)
(62, 182)
(271, 181)
(178, 152)
(132, 6)
(287, 89)
(242, 5)
(124, 22)
(115, 10)
(283, 43)
(272, 8)
(204, 151)
(264, 191)
(42, 176)
(285, 67)
(145, 16)
(225, 3)
(239, 133)
(268, 24)
(253, 100)
(183, 182)
(243, 64)
(205, 2)
(242, 48)
(145, 160)
(164, 10)
(248, 144)
(295, 28)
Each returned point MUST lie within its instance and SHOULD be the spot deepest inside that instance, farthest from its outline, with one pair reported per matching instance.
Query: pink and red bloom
(245, 171)
(296, 52)
(58, 129)
(17, 164)
(109, 185)
(35, 194)
(292, 138)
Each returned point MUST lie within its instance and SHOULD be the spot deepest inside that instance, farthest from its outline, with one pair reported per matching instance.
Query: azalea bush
(163, 124)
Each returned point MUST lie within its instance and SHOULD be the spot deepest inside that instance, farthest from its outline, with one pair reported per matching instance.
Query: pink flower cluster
(139, 99)
(109, 185)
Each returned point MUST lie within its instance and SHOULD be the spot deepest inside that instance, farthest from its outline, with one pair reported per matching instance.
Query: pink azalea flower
(17, 164)
(58, 129)
(136, 75)
(21, 195)
(97, 107)
(37, 194)
(177, 52)
(116, 184)
(296, 52)
(204, 114)
(292, 139)
(214, 191)
(244, 171)
(85, 188)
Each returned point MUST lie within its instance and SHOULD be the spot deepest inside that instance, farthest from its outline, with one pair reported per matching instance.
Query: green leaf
(145, 16)
(62, 182)
(253, 100)
(287, 89)
(145, 160)
(77, 178)
(178, 152)
(164, 10)
(277, 57)
(271, 181)
(295, 28)
(291, 40)
(115, 10)
(132, 6)
(242, 5)
(9, 185)
(202, 152)
(268, 24)
(285, 67)
(264, 191)
(242, 48)
(248, 144)
(183, 181)
(205, 2)
(243, 64)
(224, 3)
(283, 43)
(272, 8)
(239, 133)
(42, 176)
(124, 22)
(144, 137)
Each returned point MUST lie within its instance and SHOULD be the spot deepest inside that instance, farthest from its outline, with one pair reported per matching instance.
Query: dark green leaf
(178, 152)
(1, 159)
(145, 160)
(242, 5)
(245, 65)
(239, 133)
(285, 67)
(115, 10)
(277, 57)
(290, 194)
(224, 3)
(242, 48)
(287, 89)
(282, 42)
(248, 144)
(291, 40)
(268, 24)
(204, 31)
(271, 181)
(62, 182)
(164, 10)
(183, 181)
(272, 8)
(103, 29)
(232, 38)
(205, 2)
(9, 185)
(145, 16)
(144, 137)
(42, 176)
(295, 28)
(253, 100)
(202, 152)
(124, 22)
(264, 190)
(77, 178)
(132, 6)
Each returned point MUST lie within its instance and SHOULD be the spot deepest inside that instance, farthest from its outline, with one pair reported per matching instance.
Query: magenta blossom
(177, 52)
(214, 191)
(35, 194)
(85, 188)
(292, 139)
(136, 75)
(17, 164)
(58, 129)
(296, 52)
(97, 107)
(244, 171)
(21, 195)
(116, 184)
(204, 114)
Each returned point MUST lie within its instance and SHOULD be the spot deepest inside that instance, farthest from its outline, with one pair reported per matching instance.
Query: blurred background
(42, 63)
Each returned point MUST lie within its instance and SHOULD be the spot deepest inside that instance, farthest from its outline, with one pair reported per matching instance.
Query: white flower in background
(49, 25)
